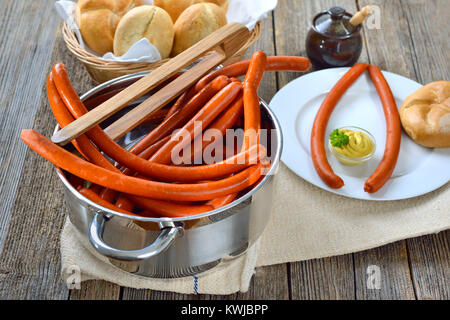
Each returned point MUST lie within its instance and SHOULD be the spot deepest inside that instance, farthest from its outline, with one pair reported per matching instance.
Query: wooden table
(413, 42)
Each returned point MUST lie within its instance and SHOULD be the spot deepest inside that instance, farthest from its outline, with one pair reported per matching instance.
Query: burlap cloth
(306, 223)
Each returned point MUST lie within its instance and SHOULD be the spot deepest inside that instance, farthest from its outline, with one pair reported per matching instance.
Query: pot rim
(271, 172)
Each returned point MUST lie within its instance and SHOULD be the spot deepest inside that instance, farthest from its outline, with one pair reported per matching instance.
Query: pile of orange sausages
(144, 181)
(393, 127)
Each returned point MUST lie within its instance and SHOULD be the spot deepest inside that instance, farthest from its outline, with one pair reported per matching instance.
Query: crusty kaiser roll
(176, 7)
(150, 22)
(425, 115)
(195, 23)
(98, 19)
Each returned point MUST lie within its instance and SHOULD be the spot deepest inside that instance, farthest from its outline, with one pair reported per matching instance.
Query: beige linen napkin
(306, 223)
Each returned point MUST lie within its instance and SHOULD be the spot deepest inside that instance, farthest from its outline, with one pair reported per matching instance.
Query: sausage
(226, 120)
(89, 151)
(252, 113)
(229, 117)
(278, 63)
(222, 201)
(145, 155)
(124, 203)
(393, 133)
(181, 101)
(171, 210)
(136, 163)
(256, 69)
(99, 99)
(205, 116)
(178, 119)
(156, 116)
(63, 117)
(91, 195)
(216, 170)
(136, 186)
(318, 152)
(220, 169)
(95, 188)
(127, 203)
(107, 196)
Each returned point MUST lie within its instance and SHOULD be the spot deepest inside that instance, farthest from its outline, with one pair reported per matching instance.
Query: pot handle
(164, 240)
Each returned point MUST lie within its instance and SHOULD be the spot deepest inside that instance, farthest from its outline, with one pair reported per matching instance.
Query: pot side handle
(164, 240)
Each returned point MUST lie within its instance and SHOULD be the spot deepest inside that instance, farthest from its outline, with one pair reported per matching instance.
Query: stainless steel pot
(172, 247)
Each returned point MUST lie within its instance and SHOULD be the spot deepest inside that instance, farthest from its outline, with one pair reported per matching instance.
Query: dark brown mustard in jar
(332, 40)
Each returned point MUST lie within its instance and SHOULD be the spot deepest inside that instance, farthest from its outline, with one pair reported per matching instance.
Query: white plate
(419, 170)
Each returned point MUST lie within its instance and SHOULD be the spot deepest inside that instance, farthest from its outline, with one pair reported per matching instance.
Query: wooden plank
(330, 278)
(29, 224)
(430, 264)
(428, 30)
(145, 294)
(292, 22)
(268, 283)
(30, 261)
(324, 279)
(93, 289)
(96, 290)
(390, 47)
(392, 282)
(418, 49)
(23, 62)
(395, 277)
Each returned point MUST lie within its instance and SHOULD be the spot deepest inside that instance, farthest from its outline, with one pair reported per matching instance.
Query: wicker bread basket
(102, 70)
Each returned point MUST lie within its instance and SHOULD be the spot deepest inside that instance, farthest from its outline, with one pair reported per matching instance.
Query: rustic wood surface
(413, 41)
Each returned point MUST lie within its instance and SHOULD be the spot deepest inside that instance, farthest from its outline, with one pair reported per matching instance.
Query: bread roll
(195, 23)
(150, 22)
(175, 7)
(425, 115)
(98, 20)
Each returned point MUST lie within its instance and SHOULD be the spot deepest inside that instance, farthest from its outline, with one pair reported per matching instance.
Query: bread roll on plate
(98, 20)
(146, 21)
(425, 115)
(195, 23)
(175, 7)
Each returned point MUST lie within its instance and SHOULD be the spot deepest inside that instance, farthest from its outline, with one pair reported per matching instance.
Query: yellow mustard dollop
(359, 144)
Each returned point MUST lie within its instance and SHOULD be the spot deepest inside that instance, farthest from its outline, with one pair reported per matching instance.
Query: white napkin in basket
(247, 12)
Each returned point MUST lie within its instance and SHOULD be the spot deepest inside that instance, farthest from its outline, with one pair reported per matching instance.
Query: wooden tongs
(216, 48)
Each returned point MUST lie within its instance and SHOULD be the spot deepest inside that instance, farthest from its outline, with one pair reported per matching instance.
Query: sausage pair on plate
(393, 126)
